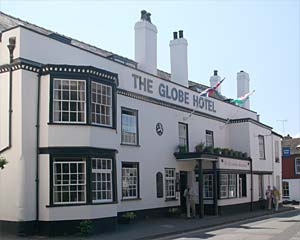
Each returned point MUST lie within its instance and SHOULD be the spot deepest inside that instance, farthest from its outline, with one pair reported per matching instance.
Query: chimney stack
(243, 86)
(179, 60)
(214, 80)
(146, 44)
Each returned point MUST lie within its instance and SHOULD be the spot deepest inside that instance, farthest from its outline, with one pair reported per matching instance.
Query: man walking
(189, 195)
(269, 197)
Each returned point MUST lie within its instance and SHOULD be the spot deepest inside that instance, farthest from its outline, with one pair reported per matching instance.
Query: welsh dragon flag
(207, 92)
(242, 99)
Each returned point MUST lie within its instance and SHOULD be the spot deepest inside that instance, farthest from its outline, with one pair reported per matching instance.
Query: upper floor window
(209, 137)
(277, 151)
(297, 165)
(183, 135)
(129, 123)
(69, 101)
(101, 104)
(261, 145)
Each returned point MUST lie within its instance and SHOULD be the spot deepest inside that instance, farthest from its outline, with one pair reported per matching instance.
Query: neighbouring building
(89, 134)
(291, 169)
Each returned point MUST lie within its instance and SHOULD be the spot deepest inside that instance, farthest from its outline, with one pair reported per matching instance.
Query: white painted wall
(4, 108)
(294, 186)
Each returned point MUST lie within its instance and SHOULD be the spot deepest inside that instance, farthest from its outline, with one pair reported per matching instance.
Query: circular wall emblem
(159, 129)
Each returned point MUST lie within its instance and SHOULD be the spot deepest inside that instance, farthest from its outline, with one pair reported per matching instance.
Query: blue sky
(259, 37)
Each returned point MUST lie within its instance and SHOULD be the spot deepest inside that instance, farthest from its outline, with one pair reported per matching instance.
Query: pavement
(152, 228)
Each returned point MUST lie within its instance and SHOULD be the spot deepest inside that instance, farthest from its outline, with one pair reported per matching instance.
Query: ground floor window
(228, 185)
(86, 179)
(242, 185)
(170, 180)
(130, 180)
(260, 186)
(285, 189)
(69, 181)
(102, 179)
(208, 180)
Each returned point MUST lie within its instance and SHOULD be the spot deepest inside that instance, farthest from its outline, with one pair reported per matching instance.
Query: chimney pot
(180, 33)
(174, 35)
(215, 72)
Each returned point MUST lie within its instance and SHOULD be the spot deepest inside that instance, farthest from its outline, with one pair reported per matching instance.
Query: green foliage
(129, 215)
(3, 162)
(86, 227)
(182, 149)
(199, 147)
(174, 211)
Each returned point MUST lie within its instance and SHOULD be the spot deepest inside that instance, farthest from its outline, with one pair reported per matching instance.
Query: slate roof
(292, 143)
(7, 22)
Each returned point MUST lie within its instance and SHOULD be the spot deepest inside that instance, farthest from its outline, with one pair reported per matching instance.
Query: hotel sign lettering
(175, 94)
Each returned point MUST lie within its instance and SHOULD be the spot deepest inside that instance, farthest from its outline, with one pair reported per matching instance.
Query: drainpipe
(11, 46)
(37, 146)
(251, 189)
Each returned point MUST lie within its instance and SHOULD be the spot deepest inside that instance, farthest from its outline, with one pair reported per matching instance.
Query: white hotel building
(90, 135)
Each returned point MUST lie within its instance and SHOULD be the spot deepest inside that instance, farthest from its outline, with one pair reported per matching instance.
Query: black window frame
(69, 153)
(186, 135)
(136, 114)
(209, 132)
(88, 80)
(137, 165)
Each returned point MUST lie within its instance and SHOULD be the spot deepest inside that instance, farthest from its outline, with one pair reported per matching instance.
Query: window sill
(79, 204)
(131, 145)
(171, 199)
(79, 124)
(130, 199)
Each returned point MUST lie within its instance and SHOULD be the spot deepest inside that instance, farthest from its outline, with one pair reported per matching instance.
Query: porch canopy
(199, 157)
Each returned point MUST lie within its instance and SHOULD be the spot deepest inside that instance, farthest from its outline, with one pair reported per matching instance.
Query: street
(283, 226)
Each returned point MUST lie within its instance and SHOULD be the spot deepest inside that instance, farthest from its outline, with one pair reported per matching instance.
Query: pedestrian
(269, 197)
(276, 197)
(189, 195)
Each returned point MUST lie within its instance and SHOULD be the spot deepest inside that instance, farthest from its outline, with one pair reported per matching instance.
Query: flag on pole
(207, 92)
(242, 99)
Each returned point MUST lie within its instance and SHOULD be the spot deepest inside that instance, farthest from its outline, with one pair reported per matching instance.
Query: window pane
(100, 104)
(66, 96)
(129, 127)
(129, 180)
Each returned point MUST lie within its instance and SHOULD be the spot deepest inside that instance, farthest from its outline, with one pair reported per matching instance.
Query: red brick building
(291, 168)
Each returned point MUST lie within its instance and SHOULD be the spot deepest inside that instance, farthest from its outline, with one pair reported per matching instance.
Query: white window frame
(68, 185)
(285, 189)
(57, 100)
(130, 180)
(183, 134)
(208, 190)
(170, 183)
(209, 138)
(297, 166)
(129, 133)
(261, 147)
(223, 185)
(232, 185)
(101, 104)
(102, 178)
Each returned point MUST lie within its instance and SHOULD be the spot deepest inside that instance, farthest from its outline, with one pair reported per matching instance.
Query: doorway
(183, 183)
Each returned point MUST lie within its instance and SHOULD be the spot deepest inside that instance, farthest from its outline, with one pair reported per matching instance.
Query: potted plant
(218, 151)
(226, 151)
(3, 162)
(199, 147)
(244, 155)
(182, 149)
(209, 149)
(230, 152)
(174, 212)
(128, 217)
